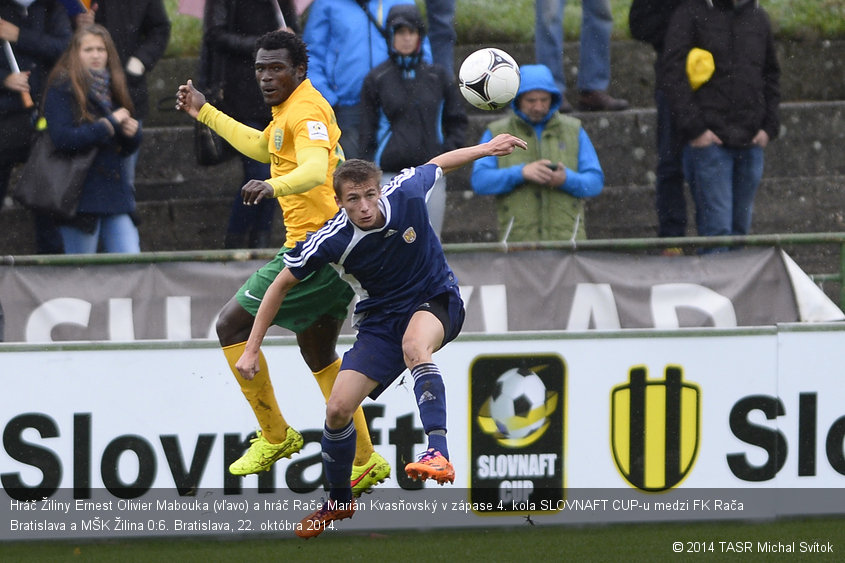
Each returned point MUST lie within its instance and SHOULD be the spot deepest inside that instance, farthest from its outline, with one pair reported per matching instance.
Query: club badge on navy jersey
(410, 235)
(278, 138)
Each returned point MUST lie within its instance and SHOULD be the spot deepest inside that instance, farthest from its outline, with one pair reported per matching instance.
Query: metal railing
(689, 244)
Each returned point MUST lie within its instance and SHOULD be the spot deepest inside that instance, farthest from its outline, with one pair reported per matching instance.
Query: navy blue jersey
(394, 268)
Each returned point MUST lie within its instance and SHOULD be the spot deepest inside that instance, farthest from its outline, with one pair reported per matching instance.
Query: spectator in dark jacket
(88, 105)
(231, 28)
(140, 30)
(346, 40)
(648, 21)
(38, 33)
(727, 110)
(411, 110)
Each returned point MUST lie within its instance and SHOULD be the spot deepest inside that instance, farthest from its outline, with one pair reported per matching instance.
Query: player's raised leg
(275, 439)
(424, 335)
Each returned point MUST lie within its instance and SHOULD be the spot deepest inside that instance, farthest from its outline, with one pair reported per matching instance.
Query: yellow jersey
(305, 119)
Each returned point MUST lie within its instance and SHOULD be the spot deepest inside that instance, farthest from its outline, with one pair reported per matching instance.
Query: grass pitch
(731, 541)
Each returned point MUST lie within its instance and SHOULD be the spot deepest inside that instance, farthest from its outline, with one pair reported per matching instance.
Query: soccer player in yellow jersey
(301, 144)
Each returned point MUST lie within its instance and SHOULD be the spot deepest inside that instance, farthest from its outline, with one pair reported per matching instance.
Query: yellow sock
(259, 392)
(363, 444)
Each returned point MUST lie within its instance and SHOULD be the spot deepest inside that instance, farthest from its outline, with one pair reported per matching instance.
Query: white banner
(615, 426)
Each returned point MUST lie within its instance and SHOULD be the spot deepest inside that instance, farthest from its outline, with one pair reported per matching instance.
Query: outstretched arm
(243, 138)
(500, 145)
(248, 363)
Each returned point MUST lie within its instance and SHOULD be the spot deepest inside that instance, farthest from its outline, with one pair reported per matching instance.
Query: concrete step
(191, 224)
(783, 205)
(164, 225)
(167, 157)
(810, 144)
(810, 70)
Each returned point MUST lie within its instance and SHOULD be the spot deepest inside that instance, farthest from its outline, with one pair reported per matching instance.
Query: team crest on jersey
(410, 235)
(278, 138)
(317, 131)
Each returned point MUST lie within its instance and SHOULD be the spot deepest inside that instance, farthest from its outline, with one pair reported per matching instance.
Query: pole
(280, 17)
(13, 64)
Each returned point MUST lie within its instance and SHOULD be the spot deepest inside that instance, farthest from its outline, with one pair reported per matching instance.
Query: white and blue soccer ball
(518, 403)
(489, 78)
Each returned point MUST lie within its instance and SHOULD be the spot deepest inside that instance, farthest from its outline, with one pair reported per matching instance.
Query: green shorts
(321, 293)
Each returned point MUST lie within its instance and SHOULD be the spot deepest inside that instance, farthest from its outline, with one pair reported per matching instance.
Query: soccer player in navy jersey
(409, 306)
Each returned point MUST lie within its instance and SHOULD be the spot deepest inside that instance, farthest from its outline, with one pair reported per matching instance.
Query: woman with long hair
(87, 104)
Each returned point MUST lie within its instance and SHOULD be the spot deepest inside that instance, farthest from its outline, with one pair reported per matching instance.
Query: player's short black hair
(355, 171)
(275, 40)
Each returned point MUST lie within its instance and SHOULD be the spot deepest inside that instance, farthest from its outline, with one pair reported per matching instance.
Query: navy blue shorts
(377, 352)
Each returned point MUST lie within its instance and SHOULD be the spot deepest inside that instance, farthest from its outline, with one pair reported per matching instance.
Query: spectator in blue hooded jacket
(540, 192)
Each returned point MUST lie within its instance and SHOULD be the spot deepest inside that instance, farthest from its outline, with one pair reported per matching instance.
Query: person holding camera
(540, 192)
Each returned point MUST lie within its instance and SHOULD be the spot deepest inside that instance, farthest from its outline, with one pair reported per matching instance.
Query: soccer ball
(489, 78)
(515, 401)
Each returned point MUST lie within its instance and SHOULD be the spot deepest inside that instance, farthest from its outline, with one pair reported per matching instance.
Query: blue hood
(536, 77)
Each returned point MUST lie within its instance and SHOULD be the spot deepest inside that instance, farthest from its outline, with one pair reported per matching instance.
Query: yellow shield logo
(654, 427)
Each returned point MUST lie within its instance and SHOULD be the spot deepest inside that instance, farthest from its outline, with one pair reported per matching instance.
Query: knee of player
(223, 328)
(339, 411)
(415, 350)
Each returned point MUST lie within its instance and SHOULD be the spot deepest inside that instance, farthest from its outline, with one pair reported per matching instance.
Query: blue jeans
(118, 233)
(441, 32)
(596, 26)
(670, 200)
(723, 182)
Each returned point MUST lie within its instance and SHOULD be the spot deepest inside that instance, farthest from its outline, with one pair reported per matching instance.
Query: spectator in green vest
(540, 192)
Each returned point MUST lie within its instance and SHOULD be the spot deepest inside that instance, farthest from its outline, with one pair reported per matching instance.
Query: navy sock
(431, 401)
(338, 455)
(437, 441)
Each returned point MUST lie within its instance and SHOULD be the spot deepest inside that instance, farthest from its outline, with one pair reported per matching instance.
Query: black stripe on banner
(637, 430)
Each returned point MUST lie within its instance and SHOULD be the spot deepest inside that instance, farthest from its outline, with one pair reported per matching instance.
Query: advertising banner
(503, 292)
(124, 440)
